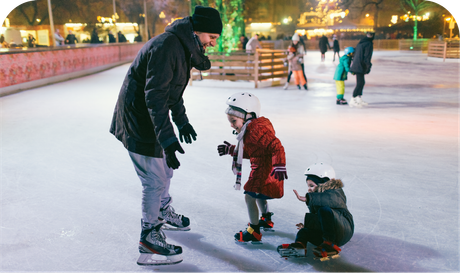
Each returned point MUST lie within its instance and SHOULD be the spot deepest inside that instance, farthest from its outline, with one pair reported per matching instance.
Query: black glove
(186, 132)
(279, 172)
(170, 152)
(224, 149)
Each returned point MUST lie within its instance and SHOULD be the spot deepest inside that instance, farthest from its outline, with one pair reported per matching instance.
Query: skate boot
(341, 102)
(153, 247)
(326, 250)
(174, 221)
(251, 234)
(360, 101)
(265, 221)
(286, 85)
(355, 103)
(296, 249)
(305, 86)
(298, 86)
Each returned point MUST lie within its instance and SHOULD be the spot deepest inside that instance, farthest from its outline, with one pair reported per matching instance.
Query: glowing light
(261, 25)
(394, 19)
(448, 19)
(162, 15)
(285, 20)
(367, 15)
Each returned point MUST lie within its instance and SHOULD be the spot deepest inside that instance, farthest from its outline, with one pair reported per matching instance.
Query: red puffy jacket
(264, 150)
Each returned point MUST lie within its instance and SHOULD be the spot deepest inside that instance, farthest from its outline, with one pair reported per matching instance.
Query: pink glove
(279, 172)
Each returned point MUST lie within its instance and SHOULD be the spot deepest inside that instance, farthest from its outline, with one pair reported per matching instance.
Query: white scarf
(238, 157)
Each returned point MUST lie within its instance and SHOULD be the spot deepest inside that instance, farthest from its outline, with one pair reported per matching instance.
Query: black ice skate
(341, 102)
(154, 249)
(173, 220)
(326, 250)
(296, 249)
(251, 234)
(265, 221)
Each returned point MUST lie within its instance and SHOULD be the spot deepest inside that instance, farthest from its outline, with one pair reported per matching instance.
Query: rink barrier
(266, 67)
(446, 50)
(25, 69)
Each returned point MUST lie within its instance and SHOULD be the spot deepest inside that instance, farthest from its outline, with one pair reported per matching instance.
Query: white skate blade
(157, 259)
(169, 227)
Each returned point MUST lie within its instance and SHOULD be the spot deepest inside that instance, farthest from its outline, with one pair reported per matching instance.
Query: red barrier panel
(24, 66)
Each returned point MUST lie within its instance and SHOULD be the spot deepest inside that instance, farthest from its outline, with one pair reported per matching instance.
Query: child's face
(311, 186)
(235, 122)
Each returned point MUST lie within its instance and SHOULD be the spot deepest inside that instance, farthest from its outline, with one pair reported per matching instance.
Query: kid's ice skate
(153, 247)
(326, 250)
(173, 220)
(341, 102)
(296, 249)
(251, 234)
(265, 221)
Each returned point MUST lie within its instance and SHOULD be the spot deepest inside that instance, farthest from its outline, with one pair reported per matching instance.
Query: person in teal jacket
(341, 72)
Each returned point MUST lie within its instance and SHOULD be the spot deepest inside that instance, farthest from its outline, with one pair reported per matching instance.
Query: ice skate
(249, 235)
(173, 220)
(153, 247)
(265, 221)
(305, 86)
(286, 85)
(326, 250)
(296, 249)
(360, 101)
(341, 102)
(355, 103)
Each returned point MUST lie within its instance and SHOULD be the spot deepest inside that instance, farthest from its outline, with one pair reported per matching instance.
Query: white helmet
(246, 102)
(321, 170)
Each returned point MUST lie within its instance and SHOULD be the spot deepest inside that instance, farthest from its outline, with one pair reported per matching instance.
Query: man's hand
(187, 132)
(301, 198)
(279, 172)
(224, 149)
(170, 152)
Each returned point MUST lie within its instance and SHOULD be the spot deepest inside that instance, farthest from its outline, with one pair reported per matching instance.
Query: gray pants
(254, 205)
(155, 177)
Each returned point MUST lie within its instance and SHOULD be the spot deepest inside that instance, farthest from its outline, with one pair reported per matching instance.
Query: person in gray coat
(328, 224)
(153, 87)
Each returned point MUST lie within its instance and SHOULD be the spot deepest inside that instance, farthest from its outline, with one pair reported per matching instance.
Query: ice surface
(70, 198)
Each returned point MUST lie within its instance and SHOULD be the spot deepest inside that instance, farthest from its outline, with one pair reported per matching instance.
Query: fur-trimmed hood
(330, 185)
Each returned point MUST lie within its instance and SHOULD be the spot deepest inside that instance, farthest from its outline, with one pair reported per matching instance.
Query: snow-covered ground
(70, 198)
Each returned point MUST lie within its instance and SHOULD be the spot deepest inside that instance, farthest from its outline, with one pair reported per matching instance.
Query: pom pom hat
(206, 19)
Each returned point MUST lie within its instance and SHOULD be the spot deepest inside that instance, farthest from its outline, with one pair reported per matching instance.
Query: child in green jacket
(341, 72)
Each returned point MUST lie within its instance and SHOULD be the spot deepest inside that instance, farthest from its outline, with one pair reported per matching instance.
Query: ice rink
(70, 198)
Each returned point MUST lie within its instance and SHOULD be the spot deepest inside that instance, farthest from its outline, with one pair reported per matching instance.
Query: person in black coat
(121, 37)
(112, 37)
(95, 37)
(152, 88)
(71, 39)
(336, 47)
(361, 65)
(328, 224)
(323, 46)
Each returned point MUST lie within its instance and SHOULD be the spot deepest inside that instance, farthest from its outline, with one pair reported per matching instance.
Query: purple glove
(279, 172)
(224, 149)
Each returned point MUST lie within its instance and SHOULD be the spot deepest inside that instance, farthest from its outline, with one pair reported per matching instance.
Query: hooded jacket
(153, 86)
(330, 194)
(264, 150)
(363, 55)
(341, 72)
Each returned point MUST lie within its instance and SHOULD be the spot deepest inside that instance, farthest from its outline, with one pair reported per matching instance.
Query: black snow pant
(359, 85)
(316, 234)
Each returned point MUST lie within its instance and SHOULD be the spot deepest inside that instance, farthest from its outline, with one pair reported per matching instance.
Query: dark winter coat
(336, 46)
(153, 86)
(323, 44)
(363, 55)
(330, 194)
(341, 71)
(71, 39)
(264, 150)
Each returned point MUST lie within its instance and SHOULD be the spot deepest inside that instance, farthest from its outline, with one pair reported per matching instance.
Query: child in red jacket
(258, 143)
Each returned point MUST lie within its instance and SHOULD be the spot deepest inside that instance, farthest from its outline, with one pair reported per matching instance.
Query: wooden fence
(262, 66)
(449, 49)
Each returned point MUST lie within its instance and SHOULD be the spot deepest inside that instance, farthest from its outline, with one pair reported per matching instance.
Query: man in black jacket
(361, 65)
(153, 87)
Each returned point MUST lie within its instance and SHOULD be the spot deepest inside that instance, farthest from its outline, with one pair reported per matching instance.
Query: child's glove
(279, 172)
(224, 149)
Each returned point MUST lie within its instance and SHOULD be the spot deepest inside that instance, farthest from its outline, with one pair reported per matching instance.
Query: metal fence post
(256, 68)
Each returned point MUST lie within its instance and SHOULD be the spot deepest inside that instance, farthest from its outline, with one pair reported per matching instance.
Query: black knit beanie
(206, 19)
